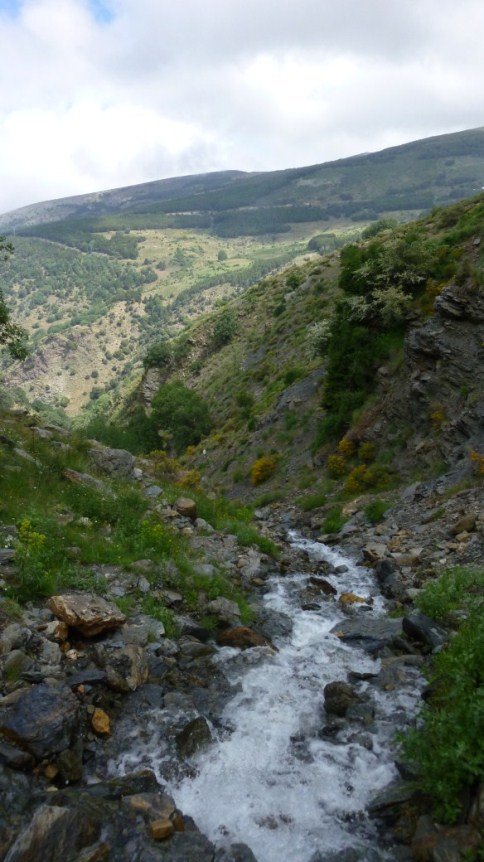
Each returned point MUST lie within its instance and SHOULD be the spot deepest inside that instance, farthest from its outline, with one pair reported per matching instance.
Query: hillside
(306, 362)
(103, 276)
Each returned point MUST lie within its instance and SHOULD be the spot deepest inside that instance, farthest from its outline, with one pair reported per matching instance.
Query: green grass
(375, 511)
(333, 521)
(311, 501)
(447, 748)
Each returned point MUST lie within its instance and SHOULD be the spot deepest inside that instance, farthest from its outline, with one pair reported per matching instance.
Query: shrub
(375, 511)
(446, 750)
(477, 461)
(159, 355)
(182, 413)
(337, 466)
(367, 451)
(346, 447)
(262, 469)
(224, 329)
(333, 521)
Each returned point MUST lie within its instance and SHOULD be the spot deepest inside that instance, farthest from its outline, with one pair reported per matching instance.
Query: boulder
(371, 634)
(194, 736)
(466, 524)
(187, 508)
(41, 719)
(126, 666)
(225, 610)
(374, 551)
(241, 637)
(338, 697)
(77, 478)
(114, 462)
(323, 586)
(444, 843)
(421, 628)
(235, 853)
(90, 614)
(55, 834)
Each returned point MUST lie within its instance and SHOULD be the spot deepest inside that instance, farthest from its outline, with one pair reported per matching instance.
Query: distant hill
(403, 180)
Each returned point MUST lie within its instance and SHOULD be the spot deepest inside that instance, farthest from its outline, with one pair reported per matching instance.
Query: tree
(224, 329)
(222, 255)
(13, 337)
(182, 413)
(159, 355)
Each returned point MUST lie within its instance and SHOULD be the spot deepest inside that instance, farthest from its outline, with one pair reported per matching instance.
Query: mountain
(98, 278)
(402, 179)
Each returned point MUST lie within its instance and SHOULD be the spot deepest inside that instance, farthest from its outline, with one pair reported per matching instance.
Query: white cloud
(164, 88)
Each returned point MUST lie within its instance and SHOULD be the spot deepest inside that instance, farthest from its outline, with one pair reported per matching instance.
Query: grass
(333, 521)
(446, 749)
(375, 511)
(311, 501)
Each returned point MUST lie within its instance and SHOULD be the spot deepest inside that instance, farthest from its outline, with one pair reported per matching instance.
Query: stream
(281, 775)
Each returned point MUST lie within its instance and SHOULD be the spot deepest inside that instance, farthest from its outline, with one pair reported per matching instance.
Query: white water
(272, 783)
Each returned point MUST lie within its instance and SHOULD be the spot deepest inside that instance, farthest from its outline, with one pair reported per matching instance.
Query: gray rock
(182, 847)
(153, 491)
(424, 630)
(194, 736)
(371, 634)
(41, 719)
(338, 697)
(14, 636)
(54, 834)
(126, 667)
(114, 462)
(224, 609)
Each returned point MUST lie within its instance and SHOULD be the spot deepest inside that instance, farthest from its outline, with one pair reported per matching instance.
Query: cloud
(113, 92)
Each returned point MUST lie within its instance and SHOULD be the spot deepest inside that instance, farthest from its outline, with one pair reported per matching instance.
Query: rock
(424, 630)
(56, 631)
(388, 802)
(54, 834)
(374, 551)
(235, 853)
(187, 508)
(41, 719)
(194, 736)
(141, 630)
(153, 491)
(14, 636)
(115, 462)
(371, 634)
(338, 697)
(242, 637)
(182, 847)
(224, 609)
(161, 829)
(126, 666)
(90, 614)
(323, 586)
(13, 757)
(100, 722)
(433, 843)
(85, 479)
(6, 555)
(466, 524)
(69, 763)
(15, 664)
(351, 599)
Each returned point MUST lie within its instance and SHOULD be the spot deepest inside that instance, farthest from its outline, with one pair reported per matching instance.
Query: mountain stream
(281, 776)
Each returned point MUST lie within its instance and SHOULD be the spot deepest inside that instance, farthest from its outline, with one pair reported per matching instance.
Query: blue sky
(117, 92)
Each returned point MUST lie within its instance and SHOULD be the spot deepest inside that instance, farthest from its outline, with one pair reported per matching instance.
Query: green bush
(461, 587)
(333, 521)
(159, 355)
(224, 329)
(375, 511)
(182, 413)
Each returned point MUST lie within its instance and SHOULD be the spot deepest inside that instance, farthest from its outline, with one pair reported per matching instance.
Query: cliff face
(437, 399)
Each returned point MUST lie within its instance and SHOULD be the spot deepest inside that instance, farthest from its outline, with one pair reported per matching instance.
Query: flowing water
(273, 780)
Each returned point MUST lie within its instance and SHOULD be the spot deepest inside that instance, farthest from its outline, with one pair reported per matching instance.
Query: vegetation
(446, 750)
(12, 337)
(181, 413)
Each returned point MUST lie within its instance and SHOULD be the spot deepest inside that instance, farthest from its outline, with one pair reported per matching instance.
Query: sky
(97, 94)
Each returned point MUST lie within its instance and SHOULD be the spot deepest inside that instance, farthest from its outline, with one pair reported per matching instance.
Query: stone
(100, 722)
(194, 736)
(374, 551)
(388, 802)
(323, 586)
(187, 508)
(351, 599)
(41, 719)
(242, 637)
(424, 630)
(433, 843)
(153, 491)
(226, 610)
(466, 524)
(126, 666)
(77, 478)
(161, 829)
(90, 615)
(69, 763)
(371, 634)
(14, 636)
(114, 462)
(55, 834)
(338, 697)
(189, 846)
(56, 631)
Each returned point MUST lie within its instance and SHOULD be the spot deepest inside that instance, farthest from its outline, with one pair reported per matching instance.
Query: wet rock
(338, 697)
(15, 664)
(194, 736)
(323, 586)
(274, 624)
(194, 648)
(90, 614)
(115, 462)
(187, 508)
(374, 551)
(371, 634)
(466, 524)
(126, 667)
(351, 599)
(69, 763)
(41, 719)
(224, 609)
(352, 854)
(241, 637)
(424, 630)
(235, 853)
(388, 803)
(432, 843)
(182, 847)
(54, 834)
(14, 757)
